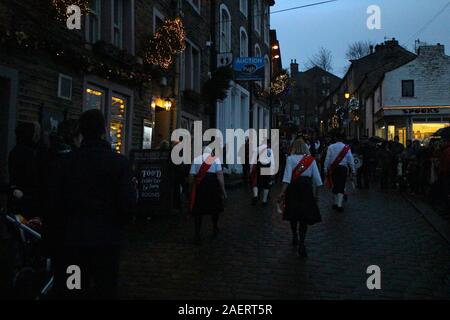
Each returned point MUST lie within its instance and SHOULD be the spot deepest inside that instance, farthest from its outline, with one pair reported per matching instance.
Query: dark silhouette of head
(68, 131)
(25, 132)
(92, 125)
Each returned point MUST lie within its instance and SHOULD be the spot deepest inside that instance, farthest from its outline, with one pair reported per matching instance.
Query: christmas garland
(61, 7)
(167, 42)
(121, 68)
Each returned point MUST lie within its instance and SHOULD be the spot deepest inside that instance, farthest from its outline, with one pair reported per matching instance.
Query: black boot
(255, 201)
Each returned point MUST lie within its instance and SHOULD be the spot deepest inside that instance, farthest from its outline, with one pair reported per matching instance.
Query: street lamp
(347, 96)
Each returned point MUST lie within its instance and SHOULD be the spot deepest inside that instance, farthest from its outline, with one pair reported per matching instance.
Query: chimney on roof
(429, 50)
(294, 68)
(371, 48)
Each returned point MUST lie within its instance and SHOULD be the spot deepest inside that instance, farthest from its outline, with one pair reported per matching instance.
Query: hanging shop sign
(249, 69)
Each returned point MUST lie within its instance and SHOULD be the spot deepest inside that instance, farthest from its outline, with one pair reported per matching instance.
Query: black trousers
(99, 272)
(339, 179)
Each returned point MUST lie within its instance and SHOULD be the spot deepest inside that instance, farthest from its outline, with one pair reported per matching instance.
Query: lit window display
(94, 99)
(423, 131)
(117, 125)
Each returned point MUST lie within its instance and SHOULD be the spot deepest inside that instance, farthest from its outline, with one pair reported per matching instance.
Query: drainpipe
(176, 112)
(213, 61)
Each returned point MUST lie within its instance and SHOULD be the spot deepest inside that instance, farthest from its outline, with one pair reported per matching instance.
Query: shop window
(408, 88)
(118, 122)
(423, 131)
(95, 99)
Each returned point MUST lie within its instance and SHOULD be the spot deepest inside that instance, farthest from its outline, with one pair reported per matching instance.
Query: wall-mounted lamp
(168, 105)
(275, 47)
(347, 95)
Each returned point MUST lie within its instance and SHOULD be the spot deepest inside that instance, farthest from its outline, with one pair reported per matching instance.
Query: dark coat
(24, 175)
(94, 194)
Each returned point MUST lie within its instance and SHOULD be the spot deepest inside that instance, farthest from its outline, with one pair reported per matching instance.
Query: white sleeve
(351, 161)
(288, 172)
(317, 180)
(328, 160)
(193, 169)
(217, 166)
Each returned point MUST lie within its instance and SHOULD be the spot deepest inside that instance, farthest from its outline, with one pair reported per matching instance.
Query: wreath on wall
(168, 41)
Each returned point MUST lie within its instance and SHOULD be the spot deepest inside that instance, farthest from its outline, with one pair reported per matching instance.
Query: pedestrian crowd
(83, 192)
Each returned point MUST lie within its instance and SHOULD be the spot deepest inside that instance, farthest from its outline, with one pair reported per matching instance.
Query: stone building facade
(412, 101)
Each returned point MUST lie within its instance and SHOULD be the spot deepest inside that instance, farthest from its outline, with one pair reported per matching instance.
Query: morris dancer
(337, 163)
(207, 191)
(259, 181)
(301, 177)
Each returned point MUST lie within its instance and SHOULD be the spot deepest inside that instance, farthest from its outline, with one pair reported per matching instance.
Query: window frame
(404, 83)
(120, 26)
(242, 46)
(62, 76)
(243, 7)
(225, 47)
(98, 15)
(196, 8)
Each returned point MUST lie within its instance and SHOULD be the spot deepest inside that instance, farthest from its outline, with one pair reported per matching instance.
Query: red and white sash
(199, 178)
(335, 165)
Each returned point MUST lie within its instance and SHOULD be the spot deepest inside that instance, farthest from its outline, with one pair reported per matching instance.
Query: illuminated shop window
(94, 99)
(117, 126)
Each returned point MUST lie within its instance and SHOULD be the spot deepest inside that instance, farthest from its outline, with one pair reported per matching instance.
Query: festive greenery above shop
(167, 42)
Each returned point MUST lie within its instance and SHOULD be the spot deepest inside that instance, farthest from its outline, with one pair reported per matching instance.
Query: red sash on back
(199, 178)
(334, 165)
(254, 172)
(302, 166)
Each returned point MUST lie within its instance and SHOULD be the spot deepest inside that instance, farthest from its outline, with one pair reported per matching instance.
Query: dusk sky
(335, 25)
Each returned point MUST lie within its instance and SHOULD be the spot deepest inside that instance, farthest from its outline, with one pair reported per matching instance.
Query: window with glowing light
(118, 117)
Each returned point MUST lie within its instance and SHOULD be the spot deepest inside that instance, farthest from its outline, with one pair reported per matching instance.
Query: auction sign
(249, 69)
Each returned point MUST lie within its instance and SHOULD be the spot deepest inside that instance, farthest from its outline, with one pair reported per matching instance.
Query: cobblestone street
(253, 257)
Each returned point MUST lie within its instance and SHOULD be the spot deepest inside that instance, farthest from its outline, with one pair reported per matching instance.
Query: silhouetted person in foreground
(95, 194)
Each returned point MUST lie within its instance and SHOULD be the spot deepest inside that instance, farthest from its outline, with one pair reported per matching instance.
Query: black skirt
(208, 199)
(301, 206)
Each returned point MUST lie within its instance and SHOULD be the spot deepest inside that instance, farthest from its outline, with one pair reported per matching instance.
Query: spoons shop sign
(422, 111)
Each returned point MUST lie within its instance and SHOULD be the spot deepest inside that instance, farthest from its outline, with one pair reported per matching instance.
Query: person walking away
(259, 180)
(338, 161)
(207, 191)
(24, 172)
(67, 140)
(95, 194)
(301, 180)
(384, 157)
(397, 150)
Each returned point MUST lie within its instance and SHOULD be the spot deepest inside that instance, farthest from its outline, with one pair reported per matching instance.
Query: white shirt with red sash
(312, 171)
(333, 151)
(196, 165)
